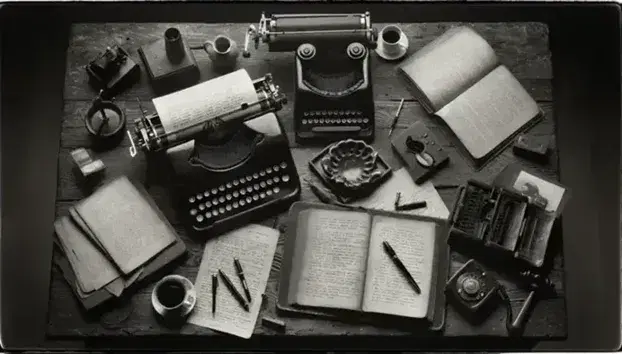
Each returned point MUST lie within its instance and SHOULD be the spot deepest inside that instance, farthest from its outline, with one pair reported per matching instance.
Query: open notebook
(336, 262)
(458, 77)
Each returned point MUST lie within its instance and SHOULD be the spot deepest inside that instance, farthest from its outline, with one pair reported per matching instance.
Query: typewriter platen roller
(229, 152)
(334, 96)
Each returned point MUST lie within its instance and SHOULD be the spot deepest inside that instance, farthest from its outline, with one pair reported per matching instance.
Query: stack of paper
(110, 239)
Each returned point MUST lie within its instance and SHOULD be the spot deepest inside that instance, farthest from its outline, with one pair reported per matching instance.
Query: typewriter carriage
(149, 134)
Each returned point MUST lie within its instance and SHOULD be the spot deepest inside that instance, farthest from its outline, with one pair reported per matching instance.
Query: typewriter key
(228, 196)
(276, 190)
(193, 212)
(262, 184)
(269, 182)
(221, 210)
(285, 178)
(221, 199)
(221, 188)
(276, 179)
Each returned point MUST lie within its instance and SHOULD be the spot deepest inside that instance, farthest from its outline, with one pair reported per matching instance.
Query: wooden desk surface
(522, 47)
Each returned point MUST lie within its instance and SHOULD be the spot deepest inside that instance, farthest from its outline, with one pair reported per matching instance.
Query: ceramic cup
(173, 297)
(392, 43)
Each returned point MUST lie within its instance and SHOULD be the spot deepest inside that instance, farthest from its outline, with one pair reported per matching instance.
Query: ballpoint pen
(236, 294)
(401, 266)
(397, 115)
(240, 271)
(214, 290)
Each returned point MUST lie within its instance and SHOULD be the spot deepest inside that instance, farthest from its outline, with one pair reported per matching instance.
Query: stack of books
(112, 240)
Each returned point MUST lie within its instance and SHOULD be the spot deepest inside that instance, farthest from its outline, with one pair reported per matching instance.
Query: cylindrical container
(173, 298)
(174, 45)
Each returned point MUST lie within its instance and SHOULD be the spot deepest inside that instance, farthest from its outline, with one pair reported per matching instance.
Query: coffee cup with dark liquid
(392, 44)
(173, 297)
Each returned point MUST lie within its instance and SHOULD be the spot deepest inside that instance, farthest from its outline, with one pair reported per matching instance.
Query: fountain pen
(236, 294)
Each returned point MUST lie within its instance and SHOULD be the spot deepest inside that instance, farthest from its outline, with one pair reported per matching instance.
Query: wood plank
(522, 47)
(134, 316)
(118, 161)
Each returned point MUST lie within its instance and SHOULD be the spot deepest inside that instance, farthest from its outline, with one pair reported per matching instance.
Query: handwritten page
(334, 260)
(490, 112)
(209, 99)
(384, 197)
(449, 65)
(126, 224)
(254, 246)
(387, 290)
(90, 266)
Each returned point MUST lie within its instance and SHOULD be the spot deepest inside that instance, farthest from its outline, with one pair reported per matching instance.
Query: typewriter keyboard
(334, 117)
(241, 193)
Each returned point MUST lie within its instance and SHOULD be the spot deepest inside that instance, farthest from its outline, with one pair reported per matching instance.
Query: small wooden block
(532, 148)
(165, 76)
(273, 323)
(86, 165)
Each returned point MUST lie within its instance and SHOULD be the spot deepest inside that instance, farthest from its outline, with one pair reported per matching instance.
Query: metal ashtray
(352, 169)
(105, 122)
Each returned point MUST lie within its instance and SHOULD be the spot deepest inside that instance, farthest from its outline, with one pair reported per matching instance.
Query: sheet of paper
(384, 197)
(126, 224)
(90, 266)
(254, 246)
(387, 290)
(209, 99)
(332, 268)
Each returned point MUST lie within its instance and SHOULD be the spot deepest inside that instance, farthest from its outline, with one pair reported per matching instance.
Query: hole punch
(417, 148)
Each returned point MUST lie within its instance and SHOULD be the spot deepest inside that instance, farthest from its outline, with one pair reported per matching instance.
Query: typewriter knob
(306, 51)
(356, 50)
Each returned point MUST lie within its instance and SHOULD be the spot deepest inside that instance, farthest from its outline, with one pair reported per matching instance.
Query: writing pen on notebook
(389, 250)
(240, 271)
(236, 294)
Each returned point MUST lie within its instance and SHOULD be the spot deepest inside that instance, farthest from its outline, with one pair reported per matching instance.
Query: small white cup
(173, 297)
(390, 37)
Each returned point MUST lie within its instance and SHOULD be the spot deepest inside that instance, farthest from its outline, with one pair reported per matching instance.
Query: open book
(339, 263)
(459, 78)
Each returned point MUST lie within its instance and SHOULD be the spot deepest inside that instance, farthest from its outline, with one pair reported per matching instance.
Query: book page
(254, 246)
(126, 224)
(209, 99)
(334, 259)
(400, 181)
(90, 266)
(387, 290)
(448, 65)
(490, 112)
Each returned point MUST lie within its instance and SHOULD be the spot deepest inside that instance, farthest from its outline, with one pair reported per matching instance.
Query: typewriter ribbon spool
(209, 107)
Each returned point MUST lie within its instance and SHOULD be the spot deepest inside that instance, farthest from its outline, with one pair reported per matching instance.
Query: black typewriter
(244, 177)
(334, 96)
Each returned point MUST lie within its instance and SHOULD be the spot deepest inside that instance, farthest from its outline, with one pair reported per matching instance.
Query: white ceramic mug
(173, 297)
(390, 37)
